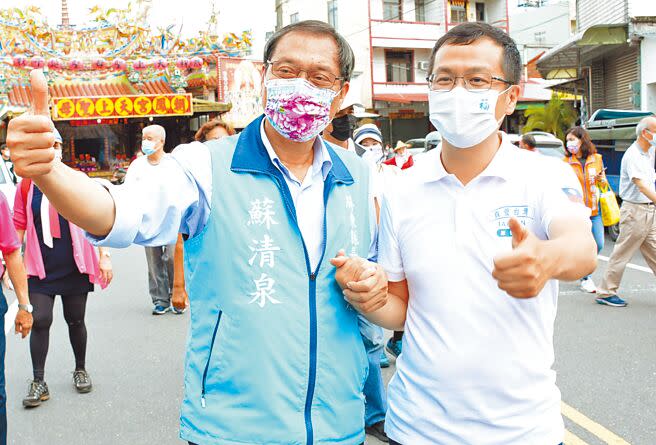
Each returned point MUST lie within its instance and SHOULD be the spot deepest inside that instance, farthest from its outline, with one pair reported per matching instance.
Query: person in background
(213, 130)
(589, 168)
(527, 142)
(637, 214)
(340, 130)
(209, 131)
(369, 137)
(59, 261)
(402, 159)
(10, 249)
(6, 158)
(144, 171)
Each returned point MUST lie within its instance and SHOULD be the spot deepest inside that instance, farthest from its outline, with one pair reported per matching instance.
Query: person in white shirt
(473, 240)
(144, 171)
(638, 212)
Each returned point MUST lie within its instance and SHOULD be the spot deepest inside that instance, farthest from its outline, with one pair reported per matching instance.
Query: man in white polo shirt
(473, 242)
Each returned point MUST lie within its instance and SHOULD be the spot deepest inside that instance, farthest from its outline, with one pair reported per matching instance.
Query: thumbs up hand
(30, 137)
(522, 272)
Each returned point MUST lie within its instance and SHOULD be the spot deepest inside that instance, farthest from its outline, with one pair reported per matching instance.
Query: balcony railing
(502, 24)
(398, 33)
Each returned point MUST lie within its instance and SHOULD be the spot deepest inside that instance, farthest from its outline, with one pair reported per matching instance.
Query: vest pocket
(209, 358)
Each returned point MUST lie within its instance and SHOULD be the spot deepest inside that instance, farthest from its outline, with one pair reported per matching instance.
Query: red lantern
(196, 63)
(183, 63)
(19, 62)
(119, 64)
(99, 64)
(37, 62)
(160, 64)
(54, 64)
(75, 64)
(139, 65)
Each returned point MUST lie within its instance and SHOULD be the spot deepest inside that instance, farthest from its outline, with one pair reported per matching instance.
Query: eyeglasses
(318, 78)
(473, 82)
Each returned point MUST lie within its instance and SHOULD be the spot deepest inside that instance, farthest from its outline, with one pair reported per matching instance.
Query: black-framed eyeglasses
(318, 78)
(477, 82)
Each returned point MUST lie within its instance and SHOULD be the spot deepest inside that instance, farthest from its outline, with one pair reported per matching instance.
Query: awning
(402, 98)
(208, 106)
(580, 49)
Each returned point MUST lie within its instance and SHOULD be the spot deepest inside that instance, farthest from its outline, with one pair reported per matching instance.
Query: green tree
(555, 117)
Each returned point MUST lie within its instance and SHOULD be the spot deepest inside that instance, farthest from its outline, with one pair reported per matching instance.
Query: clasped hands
(364, 283)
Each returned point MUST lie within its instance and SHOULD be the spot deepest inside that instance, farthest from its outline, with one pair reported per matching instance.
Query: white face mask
(462, 117)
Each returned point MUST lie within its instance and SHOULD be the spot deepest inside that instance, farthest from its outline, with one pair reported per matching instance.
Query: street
(606, 363)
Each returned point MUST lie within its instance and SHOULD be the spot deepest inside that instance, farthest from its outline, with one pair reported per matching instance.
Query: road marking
(10, 316)
(573, 439)
(585, 422)
(630, 265)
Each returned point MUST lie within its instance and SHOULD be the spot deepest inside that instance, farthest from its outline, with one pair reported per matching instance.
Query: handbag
(610, 210)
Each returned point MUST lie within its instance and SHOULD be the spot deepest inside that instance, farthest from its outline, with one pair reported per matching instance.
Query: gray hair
(644, 124)
(344, 52)
(158, 129)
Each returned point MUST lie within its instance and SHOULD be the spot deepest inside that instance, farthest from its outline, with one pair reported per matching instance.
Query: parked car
(416, 146)
(7, 187)
(432, 140)
(612, 132)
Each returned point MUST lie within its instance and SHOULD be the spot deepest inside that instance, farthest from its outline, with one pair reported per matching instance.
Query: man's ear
(513, 95)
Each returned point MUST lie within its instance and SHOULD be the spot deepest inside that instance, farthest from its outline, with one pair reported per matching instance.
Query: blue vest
(274, 354)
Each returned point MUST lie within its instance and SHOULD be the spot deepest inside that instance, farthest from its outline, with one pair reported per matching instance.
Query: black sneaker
(378, 431)
(82, 381)
(36, 393)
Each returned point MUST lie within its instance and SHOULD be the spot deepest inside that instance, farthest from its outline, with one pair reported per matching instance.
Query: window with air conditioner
(399, 67)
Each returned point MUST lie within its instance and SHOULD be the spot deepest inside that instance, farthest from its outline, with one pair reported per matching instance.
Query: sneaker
(378, 431)
(587, 285)
(178, 311)
(384, 361)
(612, 300)
(394, 347)
(82, 381)
(161, 310)
(36, 393)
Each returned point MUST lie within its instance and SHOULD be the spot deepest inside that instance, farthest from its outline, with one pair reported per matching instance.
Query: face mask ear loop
(500, 121)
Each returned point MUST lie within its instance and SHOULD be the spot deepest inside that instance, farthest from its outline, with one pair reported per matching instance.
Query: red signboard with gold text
(108, 107)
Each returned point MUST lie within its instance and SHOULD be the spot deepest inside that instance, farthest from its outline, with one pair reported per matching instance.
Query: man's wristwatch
(26, 307)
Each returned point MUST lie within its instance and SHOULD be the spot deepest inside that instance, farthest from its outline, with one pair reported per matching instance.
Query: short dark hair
(587, 147)
(345, 55)
(468, 33)
(529, 140)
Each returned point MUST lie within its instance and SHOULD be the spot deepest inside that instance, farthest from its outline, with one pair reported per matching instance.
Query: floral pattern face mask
(297, 109)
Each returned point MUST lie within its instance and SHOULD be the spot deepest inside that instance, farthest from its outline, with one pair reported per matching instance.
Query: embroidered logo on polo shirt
(524, 214)
(574, 195)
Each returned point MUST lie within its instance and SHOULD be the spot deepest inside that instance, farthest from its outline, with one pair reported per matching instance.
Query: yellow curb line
(585, 422)
(573, 439)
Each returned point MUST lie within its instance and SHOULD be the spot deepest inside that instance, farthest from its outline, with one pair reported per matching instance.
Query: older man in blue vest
(261, 211)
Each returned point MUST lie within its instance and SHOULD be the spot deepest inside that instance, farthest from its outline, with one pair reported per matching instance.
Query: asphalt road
(606, 363)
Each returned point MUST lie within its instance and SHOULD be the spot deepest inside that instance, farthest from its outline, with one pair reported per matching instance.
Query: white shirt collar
(433, 170)
(322, 161)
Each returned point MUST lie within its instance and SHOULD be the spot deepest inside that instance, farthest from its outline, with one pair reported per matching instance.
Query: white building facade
(392, 41)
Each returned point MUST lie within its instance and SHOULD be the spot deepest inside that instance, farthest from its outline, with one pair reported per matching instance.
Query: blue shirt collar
(322, 160)
(251, 155)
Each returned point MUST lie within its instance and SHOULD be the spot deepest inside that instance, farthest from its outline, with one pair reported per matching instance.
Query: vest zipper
(209, 357)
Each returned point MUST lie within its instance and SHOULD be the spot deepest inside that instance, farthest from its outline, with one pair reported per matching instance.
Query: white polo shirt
(636, 164)
(476, 363)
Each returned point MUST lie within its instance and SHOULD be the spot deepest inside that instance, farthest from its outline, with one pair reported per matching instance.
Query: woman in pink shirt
(10, 249)
(60, 261)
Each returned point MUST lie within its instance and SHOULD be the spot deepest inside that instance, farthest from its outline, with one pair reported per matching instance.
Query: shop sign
(107, 107)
